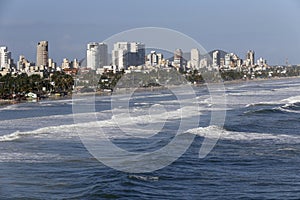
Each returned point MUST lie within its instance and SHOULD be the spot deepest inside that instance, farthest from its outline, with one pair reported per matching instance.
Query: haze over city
(269, 27)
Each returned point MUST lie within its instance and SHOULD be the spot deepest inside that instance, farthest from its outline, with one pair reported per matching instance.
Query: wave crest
(223, 134)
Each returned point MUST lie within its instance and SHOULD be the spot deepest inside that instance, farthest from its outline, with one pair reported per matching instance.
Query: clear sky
(270, 27)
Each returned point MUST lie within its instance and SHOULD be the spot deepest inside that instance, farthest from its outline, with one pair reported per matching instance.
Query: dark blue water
(256, 157)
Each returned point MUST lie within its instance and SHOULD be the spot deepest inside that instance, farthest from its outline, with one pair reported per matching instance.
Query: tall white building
(120, 54)
(195, 58)
(96, 55)
(125, 54)
(227, 60)
(154, 58)
(5, 58)
(216, 59)
(250, 57)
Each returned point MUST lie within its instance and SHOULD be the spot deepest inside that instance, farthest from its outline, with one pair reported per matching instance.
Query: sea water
(257, 155)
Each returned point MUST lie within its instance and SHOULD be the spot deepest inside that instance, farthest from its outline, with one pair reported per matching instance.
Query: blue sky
(270, 27)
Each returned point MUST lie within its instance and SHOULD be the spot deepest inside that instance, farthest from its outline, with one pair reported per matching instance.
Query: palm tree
(62, 82)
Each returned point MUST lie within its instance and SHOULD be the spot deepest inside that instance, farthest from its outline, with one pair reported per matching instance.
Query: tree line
(17, 86)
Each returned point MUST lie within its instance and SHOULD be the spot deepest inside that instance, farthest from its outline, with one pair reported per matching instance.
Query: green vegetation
(109, 80)
(231, 75)
(61, 82)
(18, 86)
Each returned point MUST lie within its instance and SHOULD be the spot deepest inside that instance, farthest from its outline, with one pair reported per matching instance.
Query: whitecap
(29, 157)
(144, 178)
(216, 132)
(284, 109)
(263, 103)
(291, 100)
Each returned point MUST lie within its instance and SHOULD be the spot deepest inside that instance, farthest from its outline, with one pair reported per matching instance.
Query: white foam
(217, 132)
(90, 125)
(62, 129)
(10, 137)
(262, 103)
(9, 107)
(252, 93)
(28, 157)
(144, 178)
(291, 100)
(283, 109)
(14, 107)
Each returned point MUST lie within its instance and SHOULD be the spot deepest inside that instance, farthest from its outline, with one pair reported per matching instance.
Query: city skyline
(269, 27)
(130, 58)
(128, 54)
(125, 54)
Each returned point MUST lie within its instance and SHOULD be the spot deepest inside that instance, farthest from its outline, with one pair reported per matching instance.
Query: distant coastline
(6, 102)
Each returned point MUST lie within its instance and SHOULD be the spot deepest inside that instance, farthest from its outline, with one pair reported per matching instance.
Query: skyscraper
(125, 54)
(42, 54)
(103, 51)
(119, 54)
(227, 60)
(178, 58)
(154, 58)
(5, 58)
(195, 58)
(96, 55)
(250, 57)
(216, 59)
(137, 54)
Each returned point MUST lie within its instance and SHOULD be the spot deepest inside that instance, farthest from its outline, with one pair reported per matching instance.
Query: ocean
(43, 154)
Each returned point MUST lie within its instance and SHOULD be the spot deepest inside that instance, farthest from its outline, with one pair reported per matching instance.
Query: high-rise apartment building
(250, 57)
(120, 54)
(227, 60)
(42, 54)
(125, 54)
(154, 58)
(216, 59)
(96, 55)
(137, 54)
(178, 58)
(5, 58)
(195, 58)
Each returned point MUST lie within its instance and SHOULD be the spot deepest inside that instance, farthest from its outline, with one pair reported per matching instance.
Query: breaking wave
(223, 134)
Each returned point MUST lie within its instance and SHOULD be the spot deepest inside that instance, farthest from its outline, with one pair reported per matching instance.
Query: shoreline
(258, 80)
(7, 102)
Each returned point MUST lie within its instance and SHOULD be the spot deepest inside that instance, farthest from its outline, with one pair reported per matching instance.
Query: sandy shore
(4, 102)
